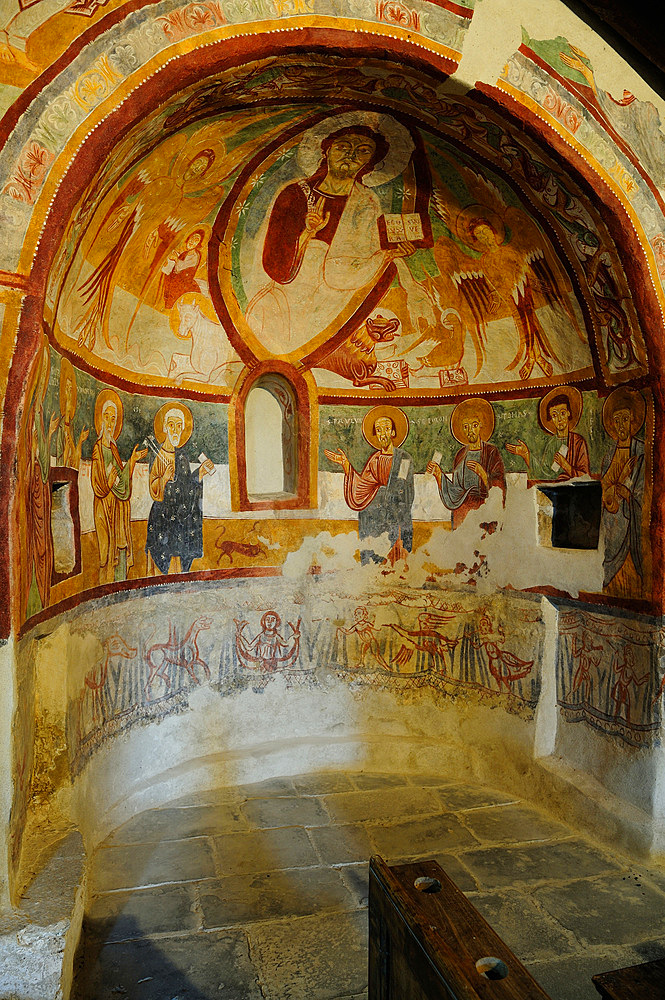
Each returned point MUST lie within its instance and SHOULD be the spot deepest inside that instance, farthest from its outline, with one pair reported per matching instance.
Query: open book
(414, 228)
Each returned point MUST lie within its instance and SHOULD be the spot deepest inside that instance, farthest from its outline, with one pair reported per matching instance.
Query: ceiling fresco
(341, 216)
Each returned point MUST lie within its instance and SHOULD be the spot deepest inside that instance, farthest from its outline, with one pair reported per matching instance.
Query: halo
(105, 396)
(624, 399)
(472, 214)
(67, 375)
(158, 425)
(482, 409)
(575, 404)
(398, 417)
(208, 137)
(398, 137)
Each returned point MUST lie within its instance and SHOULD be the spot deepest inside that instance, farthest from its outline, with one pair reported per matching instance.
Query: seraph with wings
(493, 263)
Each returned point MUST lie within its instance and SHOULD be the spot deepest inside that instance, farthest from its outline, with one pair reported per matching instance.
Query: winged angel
(494, 263)
(144, 224)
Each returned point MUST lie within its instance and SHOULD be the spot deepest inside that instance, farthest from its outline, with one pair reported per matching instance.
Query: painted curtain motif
(608, 675)
(461, 645)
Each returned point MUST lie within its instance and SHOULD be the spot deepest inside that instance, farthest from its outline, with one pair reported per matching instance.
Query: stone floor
(260, 892)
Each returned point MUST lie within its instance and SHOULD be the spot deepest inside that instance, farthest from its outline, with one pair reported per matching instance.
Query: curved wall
(544, 200)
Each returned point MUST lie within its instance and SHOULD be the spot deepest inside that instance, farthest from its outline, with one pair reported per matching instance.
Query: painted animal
(95, 679)
(229, 547)
(355, 359)
(210, 351)
(176, 653)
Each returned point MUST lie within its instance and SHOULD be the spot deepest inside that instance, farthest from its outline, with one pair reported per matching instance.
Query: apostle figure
(175, 522)
(67, 448)
(383, 492)
(477, 466)
(112, 487)
(565, 454)
(39, 540)
(322, 243)
(623, 475)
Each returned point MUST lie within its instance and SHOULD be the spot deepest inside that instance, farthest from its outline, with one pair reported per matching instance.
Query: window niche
(65, 524)
(569, 514)
(273, 417)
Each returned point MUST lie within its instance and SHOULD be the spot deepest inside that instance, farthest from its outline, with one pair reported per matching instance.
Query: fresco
(151, 490)
(408, 251)
(608, 674)
(458, 645)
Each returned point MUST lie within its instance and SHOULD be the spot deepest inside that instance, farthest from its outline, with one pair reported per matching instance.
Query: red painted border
(145, 582)
(577, 91)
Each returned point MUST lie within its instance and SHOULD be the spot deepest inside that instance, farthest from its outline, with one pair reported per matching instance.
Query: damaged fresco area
(608, 674)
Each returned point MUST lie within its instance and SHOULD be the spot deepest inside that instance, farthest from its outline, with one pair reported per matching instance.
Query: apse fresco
(407, 252)
(119, 487)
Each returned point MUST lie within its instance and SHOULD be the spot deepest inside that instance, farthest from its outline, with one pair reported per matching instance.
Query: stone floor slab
(517, 824)
(498, 867)
(457, 797)
(212, 966)
(569, 978)
(152, 864)
(356, 878)
(322, 783)
(297, 892)
(264, 850)
(614, 909)
(366, 781)
(119, 916)
(285, 811)
(382, 804)
(338, 845)
(157, 825)
(417, 837)
(528, 932)
(311, 958)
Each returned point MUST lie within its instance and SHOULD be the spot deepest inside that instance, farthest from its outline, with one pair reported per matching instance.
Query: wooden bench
(427, 941)
(637, 982)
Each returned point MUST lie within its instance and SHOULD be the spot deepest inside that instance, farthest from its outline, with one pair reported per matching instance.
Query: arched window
(271, 438)
(274, 413)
